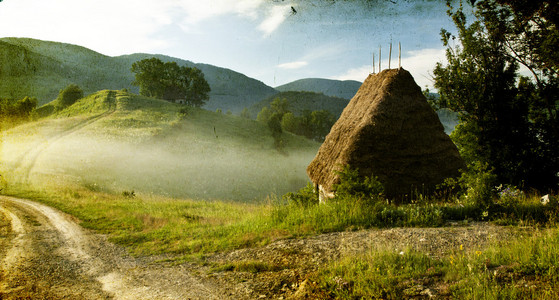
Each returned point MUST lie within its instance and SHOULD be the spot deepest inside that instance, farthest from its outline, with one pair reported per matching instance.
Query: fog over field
(123, 151)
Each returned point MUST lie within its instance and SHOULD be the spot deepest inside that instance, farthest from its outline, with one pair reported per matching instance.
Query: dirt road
(46, 255)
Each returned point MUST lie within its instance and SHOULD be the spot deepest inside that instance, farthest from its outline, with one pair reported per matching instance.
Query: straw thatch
(388, 129)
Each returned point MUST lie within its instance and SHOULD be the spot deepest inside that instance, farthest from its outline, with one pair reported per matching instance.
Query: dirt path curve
(26, 162)
(45, 254)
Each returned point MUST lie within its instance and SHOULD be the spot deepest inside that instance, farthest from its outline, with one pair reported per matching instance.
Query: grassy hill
(40, 69)
(334, 88)
(117, 141)
(300, 101)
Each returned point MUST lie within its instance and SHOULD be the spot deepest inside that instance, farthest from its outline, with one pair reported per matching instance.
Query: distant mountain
(41, 69)
(300, 101)
(335, 88)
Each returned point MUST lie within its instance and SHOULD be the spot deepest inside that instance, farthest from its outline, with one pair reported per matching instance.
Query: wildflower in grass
(508, 191)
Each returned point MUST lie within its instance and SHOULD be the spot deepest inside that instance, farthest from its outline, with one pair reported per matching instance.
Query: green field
(120, 141)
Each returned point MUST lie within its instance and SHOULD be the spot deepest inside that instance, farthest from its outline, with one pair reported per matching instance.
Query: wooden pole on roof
(389, 55)
(399, 55)
(379, 58)
(373, 63)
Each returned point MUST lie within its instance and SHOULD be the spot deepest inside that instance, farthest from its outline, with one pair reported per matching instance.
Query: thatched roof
(388, 129)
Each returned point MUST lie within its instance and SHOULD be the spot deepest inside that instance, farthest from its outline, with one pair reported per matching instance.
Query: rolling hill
(41, 69)
(334, 88)
(118, 141)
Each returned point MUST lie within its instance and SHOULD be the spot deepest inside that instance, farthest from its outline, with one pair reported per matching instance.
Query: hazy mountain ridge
(335, 88)
(50, 66)
(41, 69)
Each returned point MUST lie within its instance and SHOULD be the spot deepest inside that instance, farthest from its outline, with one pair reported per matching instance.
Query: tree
(279, 106)
(322, 121)
(507, 122)
(290, 123)
(69, 95)
(245, 113)
(20, 109)
(169, 81)
(274, 123)
(264, 115)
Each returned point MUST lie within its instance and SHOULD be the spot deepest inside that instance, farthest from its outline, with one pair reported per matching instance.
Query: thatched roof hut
(388, 129)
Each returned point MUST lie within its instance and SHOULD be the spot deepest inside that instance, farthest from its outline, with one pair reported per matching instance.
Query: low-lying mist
(174, 165)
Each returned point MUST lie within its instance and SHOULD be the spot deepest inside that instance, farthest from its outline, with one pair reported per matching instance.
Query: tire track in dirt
(29, 158)
(50, 256)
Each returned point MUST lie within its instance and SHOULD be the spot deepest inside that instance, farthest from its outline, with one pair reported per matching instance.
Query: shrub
(69, 95)
(128, 194)
(475, 186)
(183, 113)
(305, 197)
(354, 185)
(510, 196)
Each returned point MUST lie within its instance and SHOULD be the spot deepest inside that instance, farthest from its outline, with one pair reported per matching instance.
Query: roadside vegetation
(190, 230)
(525, 268)
(16, 111)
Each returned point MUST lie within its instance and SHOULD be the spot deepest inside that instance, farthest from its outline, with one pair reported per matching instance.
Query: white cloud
(359, 74)
(110, 27)
(293, 65)
(275, 17)
(419, 63)
(197, 11)
(269, 16)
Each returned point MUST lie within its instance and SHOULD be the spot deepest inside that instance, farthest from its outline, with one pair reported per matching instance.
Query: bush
(354, 185)
(475, 187)
(69, 95)
(305, 197)
(510, 196)
(128, 194)
(183, 113)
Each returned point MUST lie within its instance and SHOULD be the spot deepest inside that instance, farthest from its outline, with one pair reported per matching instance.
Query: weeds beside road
(332, 250)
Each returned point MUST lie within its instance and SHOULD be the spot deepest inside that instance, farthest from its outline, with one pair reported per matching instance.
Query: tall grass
(148, 224)
(525, 268)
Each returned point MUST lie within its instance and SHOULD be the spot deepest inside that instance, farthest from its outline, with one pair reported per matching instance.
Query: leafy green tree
(149, 75)
(245, 113)
(170, 81)
(322, 121)
(264, 115)
(279, 106)
(311, 124)
(274, 123)
(17, 109)
(69, 95)
(290, 123)
(507, 122)
(13, 112)
(305, 124)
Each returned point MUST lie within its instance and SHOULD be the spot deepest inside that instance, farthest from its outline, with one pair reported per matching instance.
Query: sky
(274, 41)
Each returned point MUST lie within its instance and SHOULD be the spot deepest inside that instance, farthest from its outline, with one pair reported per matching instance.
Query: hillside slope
(301, 101)
(40, 69)
(119, 141)
(334, 88)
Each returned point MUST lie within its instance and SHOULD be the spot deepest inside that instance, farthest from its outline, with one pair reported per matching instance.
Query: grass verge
(525, 268)
(149, 224)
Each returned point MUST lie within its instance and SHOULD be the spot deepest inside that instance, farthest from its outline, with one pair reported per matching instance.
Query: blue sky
(275, 41)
